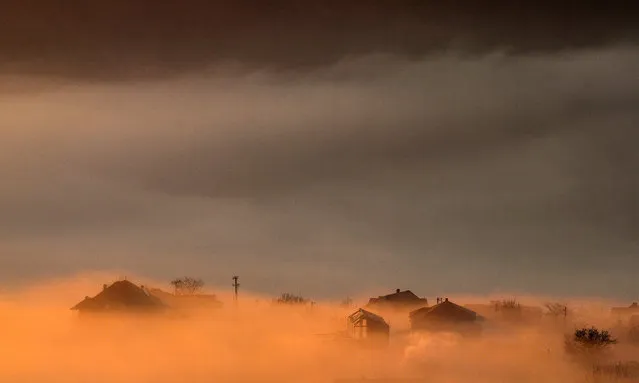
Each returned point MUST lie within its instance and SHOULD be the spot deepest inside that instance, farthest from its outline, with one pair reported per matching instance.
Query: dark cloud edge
(122, 40)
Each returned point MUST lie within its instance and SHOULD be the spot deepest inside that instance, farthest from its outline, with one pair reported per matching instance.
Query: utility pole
(235, 286)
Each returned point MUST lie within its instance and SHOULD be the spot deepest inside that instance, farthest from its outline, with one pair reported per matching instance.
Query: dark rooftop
(399, 297)
(121, 295)
(445, 310)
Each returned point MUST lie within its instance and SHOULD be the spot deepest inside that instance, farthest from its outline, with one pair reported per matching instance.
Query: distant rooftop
(445, 310)
(121, 295)
(398, 298)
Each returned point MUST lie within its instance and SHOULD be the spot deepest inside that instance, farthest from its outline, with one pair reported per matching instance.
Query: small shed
(446, 316)
(366, 326)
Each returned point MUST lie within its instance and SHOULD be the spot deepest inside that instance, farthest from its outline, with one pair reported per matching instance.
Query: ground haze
(260, 342)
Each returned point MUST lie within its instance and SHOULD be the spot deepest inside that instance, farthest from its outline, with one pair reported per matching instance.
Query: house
(399, 300)
(445, 316)
(365, 326)
(121, 296)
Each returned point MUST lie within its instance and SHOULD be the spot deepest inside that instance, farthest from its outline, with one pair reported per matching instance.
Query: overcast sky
(325, 150)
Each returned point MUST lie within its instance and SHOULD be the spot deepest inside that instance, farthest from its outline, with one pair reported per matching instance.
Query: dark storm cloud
(506, 169)
(496, 140)
(267, 137)
(111, 39)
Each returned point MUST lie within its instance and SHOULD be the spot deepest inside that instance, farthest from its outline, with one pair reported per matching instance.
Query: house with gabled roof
(399, 300)
(445, 316)
(121, 296)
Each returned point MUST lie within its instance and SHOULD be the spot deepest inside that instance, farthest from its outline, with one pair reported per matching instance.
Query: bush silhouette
(589, 342)
(291, 299)
(508, 305)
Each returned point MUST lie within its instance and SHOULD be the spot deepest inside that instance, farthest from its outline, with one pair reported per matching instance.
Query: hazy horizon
(257, 341)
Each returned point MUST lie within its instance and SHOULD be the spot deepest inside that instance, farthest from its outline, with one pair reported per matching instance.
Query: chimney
(397, 291)
(446, 299)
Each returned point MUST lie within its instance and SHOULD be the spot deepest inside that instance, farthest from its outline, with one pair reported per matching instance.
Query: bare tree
(506, 305)
(187, 285)
(557, 309)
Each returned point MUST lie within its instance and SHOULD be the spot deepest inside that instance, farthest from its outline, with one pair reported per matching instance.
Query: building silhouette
(121, 296)
(445, 316)
(399, 300)
(369, 328)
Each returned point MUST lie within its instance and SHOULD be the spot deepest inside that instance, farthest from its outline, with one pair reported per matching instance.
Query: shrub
(291, 299)
(507, 305)
(589, 342)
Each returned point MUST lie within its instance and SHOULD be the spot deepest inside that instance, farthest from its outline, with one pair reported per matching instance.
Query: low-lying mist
(259, 341)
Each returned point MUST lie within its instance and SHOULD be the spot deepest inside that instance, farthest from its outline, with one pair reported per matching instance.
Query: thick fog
(257, 341)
